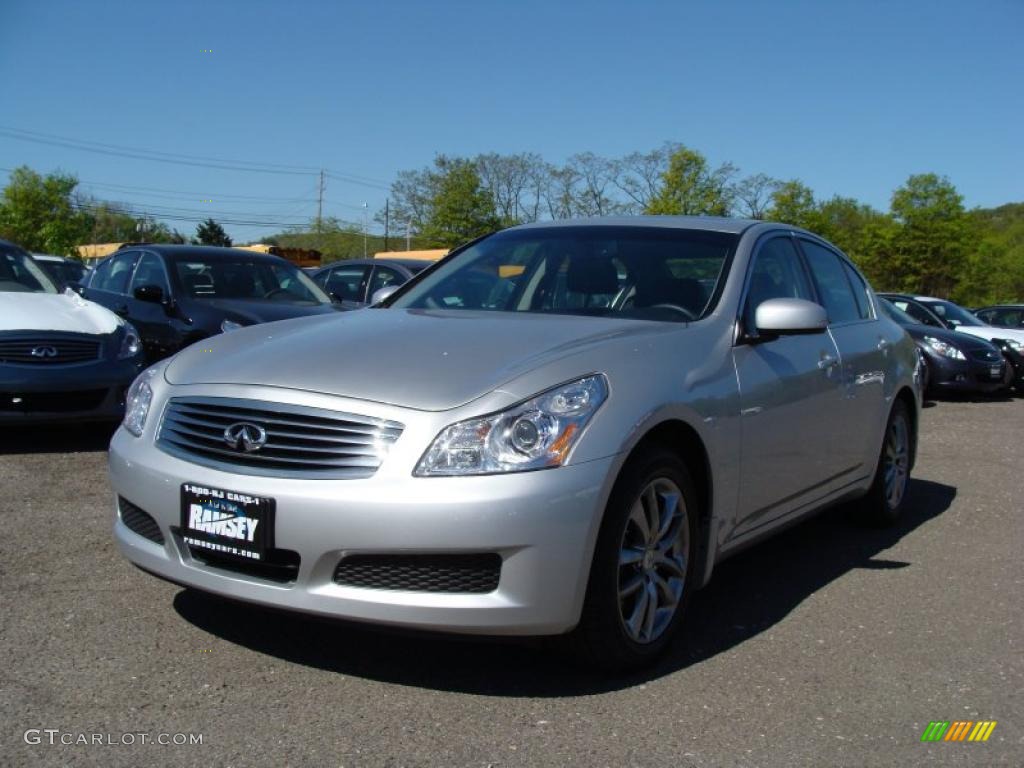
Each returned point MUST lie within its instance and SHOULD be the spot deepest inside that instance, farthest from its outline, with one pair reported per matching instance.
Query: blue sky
(851, 97)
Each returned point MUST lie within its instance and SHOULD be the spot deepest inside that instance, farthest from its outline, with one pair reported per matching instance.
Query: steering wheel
(676, 308)
(274, 292)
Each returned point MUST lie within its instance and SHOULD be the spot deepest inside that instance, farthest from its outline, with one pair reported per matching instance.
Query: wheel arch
(679, 437)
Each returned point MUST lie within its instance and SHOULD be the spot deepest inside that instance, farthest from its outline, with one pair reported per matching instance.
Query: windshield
(247, 278)
(895, 313)
(63, 272)
(645, 273)
(952, 314)
(19, 273)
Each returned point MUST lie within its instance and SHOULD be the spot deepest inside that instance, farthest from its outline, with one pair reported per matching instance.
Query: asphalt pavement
(833, 644)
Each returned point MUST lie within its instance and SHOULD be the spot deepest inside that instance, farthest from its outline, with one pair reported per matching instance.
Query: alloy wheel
(653, 557)
(897, 461)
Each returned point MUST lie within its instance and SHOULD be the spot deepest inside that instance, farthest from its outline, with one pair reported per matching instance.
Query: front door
(790, 391)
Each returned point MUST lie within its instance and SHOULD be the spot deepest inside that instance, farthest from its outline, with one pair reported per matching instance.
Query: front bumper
(946, 375)
(84, 392)
(542, 524)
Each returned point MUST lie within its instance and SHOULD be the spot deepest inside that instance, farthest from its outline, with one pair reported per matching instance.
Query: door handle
(827, 362)
(883, 344)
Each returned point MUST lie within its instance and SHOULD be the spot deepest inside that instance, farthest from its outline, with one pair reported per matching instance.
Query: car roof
(201, 251)
(705, 223)
(48, 257)
(407, 263)
(9, 244)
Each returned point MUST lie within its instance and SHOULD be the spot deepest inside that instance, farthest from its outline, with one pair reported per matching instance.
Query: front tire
(643, 564)
(888, 495)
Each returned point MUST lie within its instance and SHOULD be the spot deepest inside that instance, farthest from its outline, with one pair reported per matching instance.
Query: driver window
(112, 275)
(777, 274)
(348, 283)
(150, 272)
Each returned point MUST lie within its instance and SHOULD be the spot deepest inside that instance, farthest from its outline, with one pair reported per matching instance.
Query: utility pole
(365, 209)
(387, 206)
(320, 205)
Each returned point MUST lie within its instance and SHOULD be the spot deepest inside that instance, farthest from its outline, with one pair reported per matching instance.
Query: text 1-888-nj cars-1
(62, 358)
(567, 451)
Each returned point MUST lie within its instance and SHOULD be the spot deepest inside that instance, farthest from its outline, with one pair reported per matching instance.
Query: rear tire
(643, 564)
(887, 498)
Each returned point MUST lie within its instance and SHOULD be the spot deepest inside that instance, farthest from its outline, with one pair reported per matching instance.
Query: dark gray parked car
(177, 295)
(354, 282)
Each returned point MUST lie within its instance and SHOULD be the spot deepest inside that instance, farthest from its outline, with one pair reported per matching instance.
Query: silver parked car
(560, 428)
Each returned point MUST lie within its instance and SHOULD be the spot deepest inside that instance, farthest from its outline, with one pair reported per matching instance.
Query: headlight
(130, 344)
(230, 325)
(533, 435)
(944, 348)
(138, 400)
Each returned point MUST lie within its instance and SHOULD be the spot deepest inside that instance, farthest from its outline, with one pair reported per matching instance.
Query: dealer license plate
(227, 522)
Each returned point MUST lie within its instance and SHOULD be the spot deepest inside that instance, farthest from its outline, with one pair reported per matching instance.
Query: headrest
(592, 275)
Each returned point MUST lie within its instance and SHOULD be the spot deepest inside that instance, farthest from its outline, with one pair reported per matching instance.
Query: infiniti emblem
(245, 436)
(43, 352)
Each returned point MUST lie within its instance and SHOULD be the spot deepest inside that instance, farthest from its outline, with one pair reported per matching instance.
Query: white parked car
(62, 358)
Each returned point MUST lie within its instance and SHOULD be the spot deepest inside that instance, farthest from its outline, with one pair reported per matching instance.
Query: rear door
(790, 391)
(863, 343)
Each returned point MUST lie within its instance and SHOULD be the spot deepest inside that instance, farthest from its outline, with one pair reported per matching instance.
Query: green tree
(460, 209)
(39, 213)
(211, 233)
(994, 268)
(793, 203)
(689, 187)
(111, 223)
(930, 248)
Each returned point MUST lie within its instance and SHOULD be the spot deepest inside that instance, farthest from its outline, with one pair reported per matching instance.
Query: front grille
(300, 441)
(48, 351)
(476, 573)
(987, 355)
(280, 565)
(51, 402)
(138, 521)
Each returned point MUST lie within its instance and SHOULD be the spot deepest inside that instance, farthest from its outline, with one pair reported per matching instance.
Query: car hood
(255, 311)
(54, 312)
(991, 332)
(423, 359)
(962, 340)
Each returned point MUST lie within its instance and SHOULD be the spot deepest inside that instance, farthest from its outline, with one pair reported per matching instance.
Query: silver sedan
(561, 428)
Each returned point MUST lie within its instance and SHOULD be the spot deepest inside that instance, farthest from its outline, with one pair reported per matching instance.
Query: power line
(169, 155)
(69, 144)
(172, 158)
(197, 216)
(183, 194)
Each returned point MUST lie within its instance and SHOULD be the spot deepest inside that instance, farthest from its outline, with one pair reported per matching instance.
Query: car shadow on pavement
(748, 594)
(56, 438)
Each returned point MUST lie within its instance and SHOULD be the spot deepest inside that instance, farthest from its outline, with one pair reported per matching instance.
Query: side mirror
(77, 287)
(150, 293)
(790, 317)
(382, 294)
